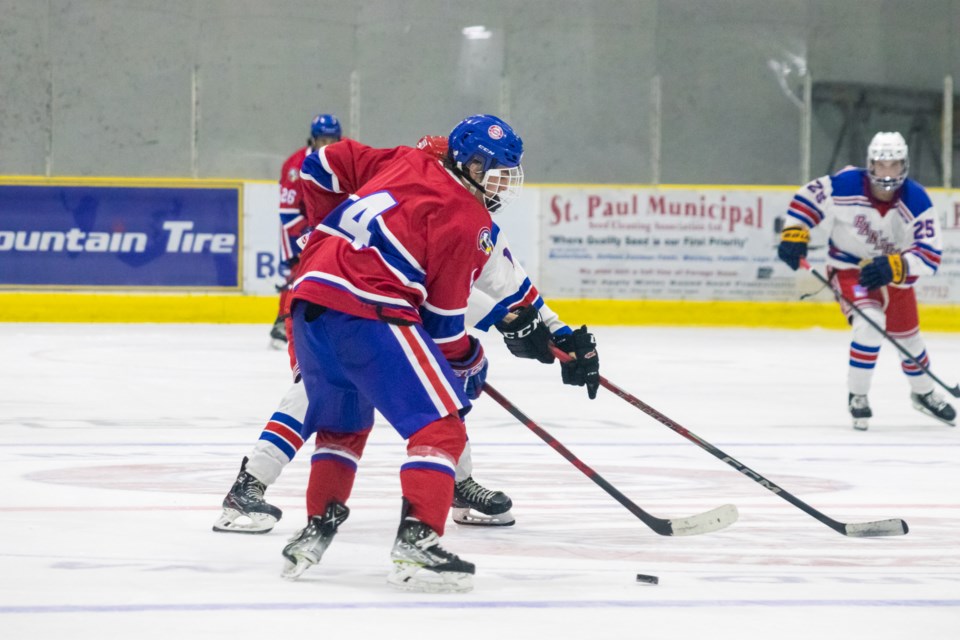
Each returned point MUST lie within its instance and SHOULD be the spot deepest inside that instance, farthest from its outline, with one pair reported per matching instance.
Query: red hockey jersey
(411, 236)
(293, 220)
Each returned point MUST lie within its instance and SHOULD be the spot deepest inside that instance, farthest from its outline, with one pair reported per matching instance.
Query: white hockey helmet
(888, 145)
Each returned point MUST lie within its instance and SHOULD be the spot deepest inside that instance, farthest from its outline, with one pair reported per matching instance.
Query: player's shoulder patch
(293, 174)
(485, 241)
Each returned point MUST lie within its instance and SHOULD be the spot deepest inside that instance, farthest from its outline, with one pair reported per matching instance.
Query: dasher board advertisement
(645, 243)
(120, 237)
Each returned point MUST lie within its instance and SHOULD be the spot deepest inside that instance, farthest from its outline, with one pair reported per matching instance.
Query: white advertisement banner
(690, 244)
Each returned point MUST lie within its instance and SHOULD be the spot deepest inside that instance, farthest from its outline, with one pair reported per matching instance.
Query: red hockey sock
(427, 476)
(333, 468)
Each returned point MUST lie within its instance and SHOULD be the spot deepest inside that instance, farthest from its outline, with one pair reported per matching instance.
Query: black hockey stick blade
(701, 523)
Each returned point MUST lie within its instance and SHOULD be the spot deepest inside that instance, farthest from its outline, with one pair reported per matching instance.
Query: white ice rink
(118, 442)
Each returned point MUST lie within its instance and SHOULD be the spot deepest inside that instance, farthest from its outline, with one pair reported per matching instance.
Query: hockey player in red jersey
(884, 235)
(502, 288)
(379, 318)
(324, 129)
(245, 509)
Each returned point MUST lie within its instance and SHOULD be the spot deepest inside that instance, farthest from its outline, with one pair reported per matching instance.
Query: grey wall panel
(882, 41)
(731, 85)
(107, 85)
(121, 87)
(24, 87)
(419, 74)
(580, 89)
(265, 69)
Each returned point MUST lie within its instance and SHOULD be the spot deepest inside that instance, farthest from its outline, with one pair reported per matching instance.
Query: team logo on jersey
(485, 241)
(495, 131)
(292, 175)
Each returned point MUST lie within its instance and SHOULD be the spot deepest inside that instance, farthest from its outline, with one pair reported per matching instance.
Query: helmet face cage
(490, 145)
(501, 186)
(888, 146)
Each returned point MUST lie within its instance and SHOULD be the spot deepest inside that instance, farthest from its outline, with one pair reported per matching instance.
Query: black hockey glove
(793, 246)
(526, 336)
(882, 270)
(472, 369)
(585, 368)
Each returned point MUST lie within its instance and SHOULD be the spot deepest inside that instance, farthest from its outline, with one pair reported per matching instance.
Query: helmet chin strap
(457, 169)
(466, 176)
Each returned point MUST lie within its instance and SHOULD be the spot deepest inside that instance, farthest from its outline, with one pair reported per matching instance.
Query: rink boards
(183, 250)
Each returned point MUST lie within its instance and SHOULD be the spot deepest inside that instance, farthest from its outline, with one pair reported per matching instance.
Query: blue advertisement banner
(129, 237)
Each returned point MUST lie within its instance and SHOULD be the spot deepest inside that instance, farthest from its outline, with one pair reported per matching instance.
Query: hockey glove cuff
(883, 270)
(472, 369)
(526, 336)
(584, 369)
(793, 246)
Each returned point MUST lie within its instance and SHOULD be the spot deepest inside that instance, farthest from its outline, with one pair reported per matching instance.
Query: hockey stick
(701, 523)
(954, 390)
(892, 527)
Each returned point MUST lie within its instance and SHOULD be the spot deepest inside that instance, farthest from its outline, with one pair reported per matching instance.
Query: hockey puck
(642, 577)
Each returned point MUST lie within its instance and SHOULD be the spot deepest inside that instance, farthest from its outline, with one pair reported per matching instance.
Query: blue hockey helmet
(492, 143)
(325, 125)
(488, 139)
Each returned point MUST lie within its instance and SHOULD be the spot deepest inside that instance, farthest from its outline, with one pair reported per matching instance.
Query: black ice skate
(307, 547)
(934, 406)
(860, 410)
(278, 334)
(477, 505)
(421, 564)
(244, 509)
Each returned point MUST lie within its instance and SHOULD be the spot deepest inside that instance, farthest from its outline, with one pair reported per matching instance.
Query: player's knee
(446, 436)
(351, 443)
(864, 332)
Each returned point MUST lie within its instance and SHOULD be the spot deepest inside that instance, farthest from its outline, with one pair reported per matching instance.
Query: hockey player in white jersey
(884, 234)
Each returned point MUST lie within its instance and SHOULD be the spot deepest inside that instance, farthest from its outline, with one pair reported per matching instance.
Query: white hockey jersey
(860, 227)
(503, 286)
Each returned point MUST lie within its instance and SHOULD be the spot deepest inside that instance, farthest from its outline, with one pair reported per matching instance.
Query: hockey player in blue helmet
(485, 152)
(324, 129)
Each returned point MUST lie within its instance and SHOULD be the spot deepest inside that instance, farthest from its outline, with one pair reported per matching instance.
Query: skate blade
(294, 569)
(233, 521)
(922, 409)
(279, 345)
(861, 424)
(466, 515)
(410, 577)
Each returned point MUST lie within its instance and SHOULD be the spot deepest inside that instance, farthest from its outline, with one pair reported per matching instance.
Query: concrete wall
(226, 88)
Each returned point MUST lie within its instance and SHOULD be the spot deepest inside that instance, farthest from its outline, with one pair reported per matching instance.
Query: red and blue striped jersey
(409, 242)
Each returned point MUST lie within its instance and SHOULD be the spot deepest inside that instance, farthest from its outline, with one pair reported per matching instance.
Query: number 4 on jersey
(356, 218)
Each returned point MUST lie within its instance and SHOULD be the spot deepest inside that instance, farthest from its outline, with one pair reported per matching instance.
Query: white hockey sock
(464, 464)
(266, 462)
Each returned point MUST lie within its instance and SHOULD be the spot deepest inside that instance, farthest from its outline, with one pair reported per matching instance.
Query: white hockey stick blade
(713, 520)
(880, 528)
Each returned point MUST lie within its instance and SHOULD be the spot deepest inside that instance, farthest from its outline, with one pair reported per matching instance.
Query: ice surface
(117, 443)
